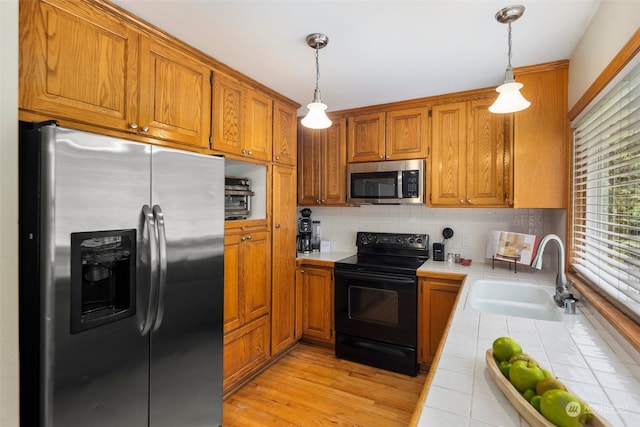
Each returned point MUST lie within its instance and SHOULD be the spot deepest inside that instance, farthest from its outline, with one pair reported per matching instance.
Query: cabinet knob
(381, 157)
(386, 157)
(249, 237)
(133, 126)
(317, 202)
(244, 151)
(145, 129)
(469, 201)
(250, 153)
(243, 238)
(277, 225)
(277, 157)
(461, 202)
(322, 201)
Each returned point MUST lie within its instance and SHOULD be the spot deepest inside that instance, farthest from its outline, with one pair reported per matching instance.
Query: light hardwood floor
(311, 387)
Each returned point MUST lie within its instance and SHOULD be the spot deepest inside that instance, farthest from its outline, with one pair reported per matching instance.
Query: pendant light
(316, 118)
(509, 99)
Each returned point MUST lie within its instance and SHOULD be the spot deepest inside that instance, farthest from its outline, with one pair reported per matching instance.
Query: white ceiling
(379, 51)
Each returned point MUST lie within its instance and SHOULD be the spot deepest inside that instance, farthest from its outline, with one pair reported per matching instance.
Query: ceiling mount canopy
(316, 118)
(509, 97)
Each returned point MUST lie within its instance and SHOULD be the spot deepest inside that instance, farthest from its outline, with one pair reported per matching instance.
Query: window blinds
(606, 195)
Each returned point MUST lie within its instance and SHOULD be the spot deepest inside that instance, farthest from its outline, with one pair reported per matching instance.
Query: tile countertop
(582, 350)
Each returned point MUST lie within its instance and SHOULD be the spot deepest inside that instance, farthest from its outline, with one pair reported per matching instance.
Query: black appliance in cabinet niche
(237, 197)
(376, 301)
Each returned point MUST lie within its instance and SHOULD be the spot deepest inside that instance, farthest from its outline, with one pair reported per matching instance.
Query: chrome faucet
(562, 285)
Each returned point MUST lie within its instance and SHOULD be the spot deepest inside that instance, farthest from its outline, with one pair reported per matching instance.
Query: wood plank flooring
(311, 387)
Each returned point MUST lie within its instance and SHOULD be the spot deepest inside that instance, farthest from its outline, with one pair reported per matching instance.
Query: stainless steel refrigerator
(121, 282)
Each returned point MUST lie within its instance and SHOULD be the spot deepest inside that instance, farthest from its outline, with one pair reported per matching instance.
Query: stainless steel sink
(513, 299)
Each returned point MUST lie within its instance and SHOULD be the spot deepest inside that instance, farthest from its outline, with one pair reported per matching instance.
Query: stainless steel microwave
(396, 182)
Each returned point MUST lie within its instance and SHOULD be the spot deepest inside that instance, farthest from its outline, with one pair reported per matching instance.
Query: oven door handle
(363, 273)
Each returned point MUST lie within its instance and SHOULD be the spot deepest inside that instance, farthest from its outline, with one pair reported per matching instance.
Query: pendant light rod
(509, 99)
(316, 118)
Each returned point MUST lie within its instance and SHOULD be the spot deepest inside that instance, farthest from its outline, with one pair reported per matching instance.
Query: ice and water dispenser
(103, 277)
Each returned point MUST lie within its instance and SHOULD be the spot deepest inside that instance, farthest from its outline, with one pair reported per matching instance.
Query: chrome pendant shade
(316, 118)
(509, 99)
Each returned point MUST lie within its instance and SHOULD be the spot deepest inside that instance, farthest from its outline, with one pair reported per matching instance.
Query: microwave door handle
(162, 261)
(151, 241)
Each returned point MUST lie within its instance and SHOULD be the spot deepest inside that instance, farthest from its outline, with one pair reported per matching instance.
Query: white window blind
(606, 195)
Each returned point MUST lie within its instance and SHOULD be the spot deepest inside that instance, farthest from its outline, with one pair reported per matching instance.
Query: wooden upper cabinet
(175, 95)
(322, 156)
(228, 101)
(394, 135)
(469, 155)
(284, 134)
(366, 138)
(448, 154)
(78, 64)
(406, 134)
(82, 65)
(487, 155)
(258, 124)
(542, 137)
(242, 119)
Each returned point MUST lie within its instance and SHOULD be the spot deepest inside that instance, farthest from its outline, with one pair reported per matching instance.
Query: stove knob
(399, 239)
(419, 240)
(411, 240)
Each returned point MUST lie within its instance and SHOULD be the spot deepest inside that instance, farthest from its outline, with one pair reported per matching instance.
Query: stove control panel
(388, 240)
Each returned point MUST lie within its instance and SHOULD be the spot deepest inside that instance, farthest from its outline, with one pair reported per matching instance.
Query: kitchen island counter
(582, 350)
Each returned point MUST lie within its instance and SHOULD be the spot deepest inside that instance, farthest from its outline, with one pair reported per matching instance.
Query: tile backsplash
(339, 225)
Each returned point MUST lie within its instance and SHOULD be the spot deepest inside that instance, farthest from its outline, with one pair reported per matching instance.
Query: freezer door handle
(162, 252)
(152, 241)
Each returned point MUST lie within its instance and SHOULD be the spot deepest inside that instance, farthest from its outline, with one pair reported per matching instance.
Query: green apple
(504, 348)
(563, 408)
(525, 375)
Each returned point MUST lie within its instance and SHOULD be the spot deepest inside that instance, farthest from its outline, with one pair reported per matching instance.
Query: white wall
(8, 213)
(611, 27)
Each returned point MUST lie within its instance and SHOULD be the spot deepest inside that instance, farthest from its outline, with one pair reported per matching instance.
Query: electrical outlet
(466, 241)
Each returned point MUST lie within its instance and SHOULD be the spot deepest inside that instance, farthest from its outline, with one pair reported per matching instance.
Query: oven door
(376, 305)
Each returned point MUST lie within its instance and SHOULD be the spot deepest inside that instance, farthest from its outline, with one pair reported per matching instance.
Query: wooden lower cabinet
(283, 293)
(436, 300)
(245, 350)
(247, 302)
(315, 304)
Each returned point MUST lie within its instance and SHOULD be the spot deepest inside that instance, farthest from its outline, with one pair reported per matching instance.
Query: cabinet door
(366, 138)
(540, 152)
(486, 155)
(256, 274)
(317, 303)
(406, 134)
(258, 125)
(436, 302)
(175, 95)
(448, 154)
(227, 114)
(284, 250)
(78, 64)
(232, 291)
(284, 134)
(333, 180)
(309, 161)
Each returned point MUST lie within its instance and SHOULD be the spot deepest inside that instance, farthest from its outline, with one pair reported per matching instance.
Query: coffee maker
(304, 231)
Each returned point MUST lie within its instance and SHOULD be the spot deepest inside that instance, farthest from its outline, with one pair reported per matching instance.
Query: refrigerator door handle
(162, 252)
(150, 224)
